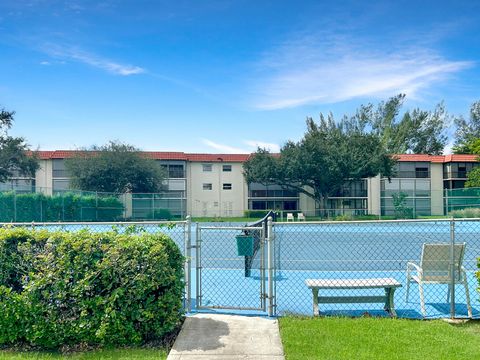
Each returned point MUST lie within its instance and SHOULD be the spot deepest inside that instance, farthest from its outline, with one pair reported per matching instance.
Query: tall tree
(329, 155)
(114, 167)
(15, 156)
(467, 132)
(415, 131)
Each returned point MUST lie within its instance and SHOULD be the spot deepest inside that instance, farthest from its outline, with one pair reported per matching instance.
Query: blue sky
(224, 76)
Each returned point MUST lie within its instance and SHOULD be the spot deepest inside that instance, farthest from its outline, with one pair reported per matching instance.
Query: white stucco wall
(43, 177)
(215, 202)
(306, 204)
(374, 189)
(436, 188)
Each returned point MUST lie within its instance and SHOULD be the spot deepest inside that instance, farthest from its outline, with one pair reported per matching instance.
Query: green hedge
(39, 207)
(161, 214)
(255, 213)
(69, 288)
(465, 213)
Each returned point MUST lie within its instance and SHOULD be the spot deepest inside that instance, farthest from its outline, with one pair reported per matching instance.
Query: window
(227, 186)
(227, 168)
(176, 171)
(207, 186)
(61, 185)
(59, 170)
(421, 172)
(207, 167)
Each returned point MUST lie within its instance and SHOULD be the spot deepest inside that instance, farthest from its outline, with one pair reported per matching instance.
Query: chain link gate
(232, 265)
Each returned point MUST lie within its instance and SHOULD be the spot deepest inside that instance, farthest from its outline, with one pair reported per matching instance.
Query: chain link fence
(230, 264)
(344, 268)
(326, 268)
(46, 205)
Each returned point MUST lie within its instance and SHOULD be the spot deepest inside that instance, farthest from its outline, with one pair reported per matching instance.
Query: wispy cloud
(76, 54)
(327, 69)
(227, 149)
(264, 145)
(252, 146)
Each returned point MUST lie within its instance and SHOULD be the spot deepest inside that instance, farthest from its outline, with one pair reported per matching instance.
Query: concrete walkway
(219, 336)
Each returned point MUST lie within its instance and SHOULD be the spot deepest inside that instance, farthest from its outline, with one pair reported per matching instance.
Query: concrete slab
(229, 337)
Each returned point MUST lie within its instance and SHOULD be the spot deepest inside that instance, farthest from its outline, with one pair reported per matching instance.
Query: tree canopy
(415, 131)
(335, 152)
(328, 155)
(467, 134)
(473, 178)
(15, 156)
(114, 167)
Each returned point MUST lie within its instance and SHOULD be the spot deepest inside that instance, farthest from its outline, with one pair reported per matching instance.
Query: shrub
(402, 211)
(466, 213)
(88, 288)
(256, 213)
(13, 316)
(162, 214)
(39, 207)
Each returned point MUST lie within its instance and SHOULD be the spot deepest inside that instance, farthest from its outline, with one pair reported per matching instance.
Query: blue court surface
(338, 251)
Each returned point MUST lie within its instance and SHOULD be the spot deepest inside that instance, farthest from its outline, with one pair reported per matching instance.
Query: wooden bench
(388, 284)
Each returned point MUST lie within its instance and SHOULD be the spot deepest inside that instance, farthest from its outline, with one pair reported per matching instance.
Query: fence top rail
(92, 223)
(256, 228)
(373, 221)
(466, 219)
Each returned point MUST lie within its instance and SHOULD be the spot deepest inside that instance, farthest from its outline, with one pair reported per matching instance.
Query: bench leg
(389, 304)
(316, 312)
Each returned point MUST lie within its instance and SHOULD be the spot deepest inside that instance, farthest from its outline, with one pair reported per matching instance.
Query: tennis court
(324, 250)
(341, 250)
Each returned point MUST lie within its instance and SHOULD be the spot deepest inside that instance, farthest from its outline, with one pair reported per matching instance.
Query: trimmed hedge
(255, 213)
(69, 288)
(465, 213)
(65, 207)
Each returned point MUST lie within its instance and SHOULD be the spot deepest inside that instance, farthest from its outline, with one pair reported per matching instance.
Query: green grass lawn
(120, 354)
(378, 338)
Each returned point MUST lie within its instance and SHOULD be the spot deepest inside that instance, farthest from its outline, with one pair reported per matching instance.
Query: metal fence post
(198, 266)
(188, 262)
(452, 268)
(270, 266)
(15, 205)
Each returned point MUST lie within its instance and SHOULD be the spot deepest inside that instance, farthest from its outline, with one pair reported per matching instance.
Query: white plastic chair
(290, 217)
(435, 268)
(300, 217)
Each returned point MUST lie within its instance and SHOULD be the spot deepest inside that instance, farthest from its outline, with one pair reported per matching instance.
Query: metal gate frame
(266, 257)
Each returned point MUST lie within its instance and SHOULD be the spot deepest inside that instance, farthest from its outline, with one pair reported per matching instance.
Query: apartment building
(212, 185)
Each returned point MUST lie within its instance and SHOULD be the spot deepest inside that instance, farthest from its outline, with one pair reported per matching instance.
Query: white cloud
(45, 63)
(93, 60)
(328, 69)
(227, 149)
(252, 147)
(269, 146)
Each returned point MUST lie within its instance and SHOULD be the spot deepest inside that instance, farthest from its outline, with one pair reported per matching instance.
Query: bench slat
(350, 299)
(352, 283)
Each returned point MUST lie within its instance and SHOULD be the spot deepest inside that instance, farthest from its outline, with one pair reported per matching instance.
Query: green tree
(467, 133)
(402, 211)
(329, 155)
(15, 156)
(473, 179)
(415, 131)
(115, 167)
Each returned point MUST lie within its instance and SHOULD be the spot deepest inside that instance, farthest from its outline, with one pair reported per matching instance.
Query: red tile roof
(218, 157)
(157, 155)
(437, 158)
(165, 155)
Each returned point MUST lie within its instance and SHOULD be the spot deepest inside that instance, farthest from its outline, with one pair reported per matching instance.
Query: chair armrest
(411, 265)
